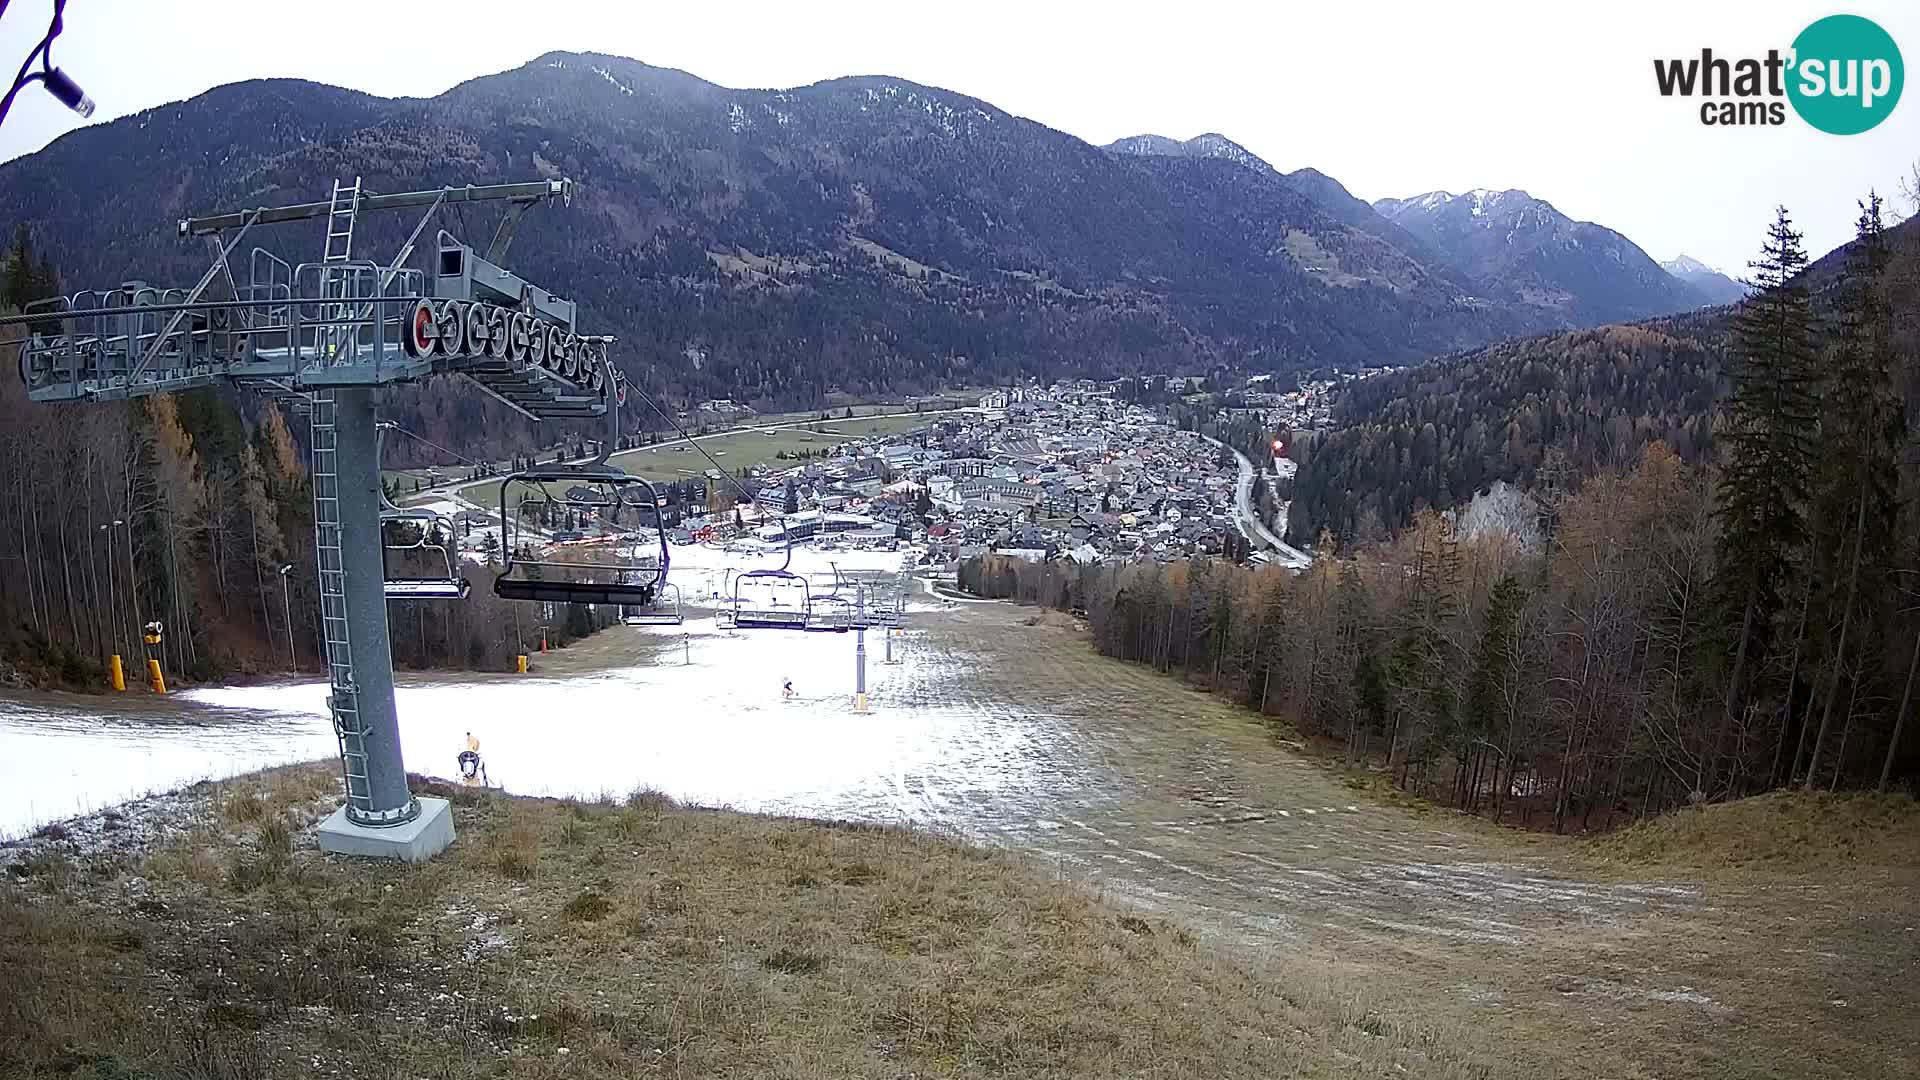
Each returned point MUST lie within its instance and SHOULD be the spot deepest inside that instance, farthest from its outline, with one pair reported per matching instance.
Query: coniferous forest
(1713, 588)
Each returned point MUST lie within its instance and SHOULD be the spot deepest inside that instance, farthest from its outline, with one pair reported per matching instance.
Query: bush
(276, 839)
(245, 806)
(589, 906)
(517, 853)
(247, 871)
(645, 798)
(793, 962)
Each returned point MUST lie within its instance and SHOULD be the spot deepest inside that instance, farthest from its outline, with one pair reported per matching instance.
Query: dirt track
(1173, 800)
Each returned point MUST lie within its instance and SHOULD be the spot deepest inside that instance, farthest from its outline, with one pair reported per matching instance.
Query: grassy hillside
(1782, 830)
(203, 935)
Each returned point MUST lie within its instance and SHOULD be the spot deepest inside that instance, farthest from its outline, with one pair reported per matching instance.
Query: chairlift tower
(323, 337)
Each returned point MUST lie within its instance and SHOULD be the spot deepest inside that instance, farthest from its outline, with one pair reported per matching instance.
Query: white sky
(1553, 96)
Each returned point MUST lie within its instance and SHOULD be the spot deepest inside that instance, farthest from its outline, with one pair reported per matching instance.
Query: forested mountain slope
(1434, 435)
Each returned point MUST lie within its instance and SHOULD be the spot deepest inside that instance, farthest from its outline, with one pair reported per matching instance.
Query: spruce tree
(1421, 665)
(1485, 705)
(1767, 431)
(1853, 525)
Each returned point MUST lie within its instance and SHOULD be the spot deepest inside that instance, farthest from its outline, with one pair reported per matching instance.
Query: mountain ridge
(857, 234)
(1712, 285)
(1543, 257)
(1617, 281)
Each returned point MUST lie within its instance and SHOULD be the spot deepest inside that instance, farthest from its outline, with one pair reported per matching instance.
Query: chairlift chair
(665, 610)
(829, 614)
(607, 571)
(779, 600)
(432, 533)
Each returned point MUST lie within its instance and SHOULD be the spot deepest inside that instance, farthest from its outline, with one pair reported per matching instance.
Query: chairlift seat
(428, 588)
(664, 612)
(571, 592)
(774, 620)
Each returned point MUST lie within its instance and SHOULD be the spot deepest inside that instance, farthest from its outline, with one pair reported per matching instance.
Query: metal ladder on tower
(343, 696)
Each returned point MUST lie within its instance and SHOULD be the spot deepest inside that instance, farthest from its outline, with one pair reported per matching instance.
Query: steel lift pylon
(324, 336)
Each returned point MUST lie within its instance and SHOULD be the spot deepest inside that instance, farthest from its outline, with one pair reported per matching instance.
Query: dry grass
(658, 940)
(244, 806)
(516, 851)
(1785, 831)
(1542, 961)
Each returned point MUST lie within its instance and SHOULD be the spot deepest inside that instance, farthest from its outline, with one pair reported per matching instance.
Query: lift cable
(462, 458)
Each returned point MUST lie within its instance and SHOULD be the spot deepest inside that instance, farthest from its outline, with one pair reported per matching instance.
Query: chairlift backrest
(665, 610)
(431, 538)
(604, 561)
(774, 598)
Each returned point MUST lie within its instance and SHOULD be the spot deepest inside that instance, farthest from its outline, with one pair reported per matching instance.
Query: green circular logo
(1846, 75)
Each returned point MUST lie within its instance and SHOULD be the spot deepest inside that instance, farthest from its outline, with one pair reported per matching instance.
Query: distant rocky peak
(1210, 145)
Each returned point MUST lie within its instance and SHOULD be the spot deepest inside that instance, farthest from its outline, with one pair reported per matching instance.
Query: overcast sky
(1391, 99)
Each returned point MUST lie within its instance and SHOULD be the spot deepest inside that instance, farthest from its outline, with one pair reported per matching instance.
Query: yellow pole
(118, 673)
(522, 663)
(158, 680)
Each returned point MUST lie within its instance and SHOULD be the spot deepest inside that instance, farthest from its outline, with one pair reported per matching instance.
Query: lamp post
(133, 581)
(286, 606)
(113, 587)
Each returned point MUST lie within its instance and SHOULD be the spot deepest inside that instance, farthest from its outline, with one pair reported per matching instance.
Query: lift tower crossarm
(519, 193)
(247, 221)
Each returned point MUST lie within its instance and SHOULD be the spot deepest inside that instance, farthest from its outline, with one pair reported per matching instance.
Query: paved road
(1249, 521)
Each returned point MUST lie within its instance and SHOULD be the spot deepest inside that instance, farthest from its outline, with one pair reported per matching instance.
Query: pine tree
(1485, 703)
(267, 548)
(1767, 432)
(27, 279)
(1422, 663)
(1856, 510)
(19, 287)
(1353, 643)
(168, 525)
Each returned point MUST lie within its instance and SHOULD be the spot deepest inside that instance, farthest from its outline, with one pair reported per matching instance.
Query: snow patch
(608, 75)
